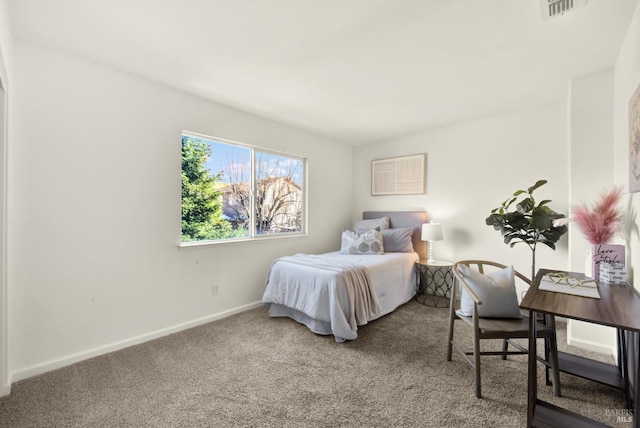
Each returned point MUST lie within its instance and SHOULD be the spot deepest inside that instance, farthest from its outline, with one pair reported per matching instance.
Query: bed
(334, 293)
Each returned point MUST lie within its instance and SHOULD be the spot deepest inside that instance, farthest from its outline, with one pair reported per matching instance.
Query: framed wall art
(634, 142)
(404, 175)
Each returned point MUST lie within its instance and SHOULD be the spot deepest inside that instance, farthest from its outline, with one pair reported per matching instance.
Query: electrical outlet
(215, 289)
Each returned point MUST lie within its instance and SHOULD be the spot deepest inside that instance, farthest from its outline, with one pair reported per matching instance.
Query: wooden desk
(619, 307)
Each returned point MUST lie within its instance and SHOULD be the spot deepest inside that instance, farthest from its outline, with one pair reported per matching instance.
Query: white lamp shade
(432, 232)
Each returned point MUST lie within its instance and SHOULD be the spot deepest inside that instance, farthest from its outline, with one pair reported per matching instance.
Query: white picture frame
(403, 175)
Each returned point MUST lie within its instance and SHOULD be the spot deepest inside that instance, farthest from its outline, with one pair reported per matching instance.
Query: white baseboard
(5, 390)
(576, 337)
(101, 350)
(592, 346)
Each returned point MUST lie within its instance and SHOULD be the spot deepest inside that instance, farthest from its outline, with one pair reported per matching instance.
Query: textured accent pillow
(382, 223)
(397, 240)
(369, 242)
(497, 290)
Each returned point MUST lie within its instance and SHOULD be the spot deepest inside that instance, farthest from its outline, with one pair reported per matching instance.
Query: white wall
(95, 211)
(626, 80)
(590, 145)
(591, 171)
(473, 167)
(6, 40)
(6, 45)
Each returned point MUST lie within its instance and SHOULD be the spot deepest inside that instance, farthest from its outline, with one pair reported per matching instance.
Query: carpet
(249, 370)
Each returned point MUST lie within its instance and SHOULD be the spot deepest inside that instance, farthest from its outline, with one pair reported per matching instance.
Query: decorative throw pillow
(369, 242)
(397, 240)
(382, 223)
(497, 290)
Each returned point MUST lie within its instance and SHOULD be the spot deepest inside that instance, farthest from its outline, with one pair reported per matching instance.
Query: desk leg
(636, 386)
(532, 379)
(623, 367)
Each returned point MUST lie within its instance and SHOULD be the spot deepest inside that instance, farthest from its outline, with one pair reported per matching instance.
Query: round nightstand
(434, 280)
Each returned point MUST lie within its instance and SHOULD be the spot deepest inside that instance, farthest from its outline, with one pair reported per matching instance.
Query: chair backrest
(485, 266)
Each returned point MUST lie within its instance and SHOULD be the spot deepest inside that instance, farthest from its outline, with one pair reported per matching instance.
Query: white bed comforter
(315, 290)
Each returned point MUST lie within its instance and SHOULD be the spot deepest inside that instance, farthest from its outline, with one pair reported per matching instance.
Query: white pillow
(382, 223)
(369, 242)
(497, 290)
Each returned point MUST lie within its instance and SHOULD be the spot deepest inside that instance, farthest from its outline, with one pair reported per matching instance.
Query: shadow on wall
(459, 237)
(630, 226)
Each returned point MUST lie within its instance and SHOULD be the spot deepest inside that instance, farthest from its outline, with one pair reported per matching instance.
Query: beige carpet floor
(251, 370)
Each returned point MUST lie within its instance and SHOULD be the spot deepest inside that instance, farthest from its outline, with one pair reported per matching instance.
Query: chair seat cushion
(497, 290)
(512, 327)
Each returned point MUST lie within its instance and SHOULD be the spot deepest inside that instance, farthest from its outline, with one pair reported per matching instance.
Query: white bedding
(317, 297)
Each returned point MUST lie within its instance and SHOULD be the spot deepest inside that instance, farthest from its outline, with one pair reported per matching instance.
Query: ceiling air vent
(554, 8)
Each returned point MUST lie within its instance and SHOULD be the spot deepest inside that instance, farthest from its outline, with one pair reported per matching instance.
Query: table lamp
(431, 232)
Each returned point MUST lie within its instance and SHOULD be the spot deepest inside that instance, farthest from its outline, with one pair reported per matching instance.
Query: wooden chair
(499, 328)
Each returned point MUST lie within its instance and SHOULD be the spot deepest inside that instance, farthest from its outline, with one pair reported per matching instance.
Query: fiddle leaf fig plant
(529, 222)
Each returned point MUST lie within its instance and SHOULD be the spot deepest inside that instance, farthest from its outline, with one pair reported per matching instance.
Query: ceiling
(359, 71)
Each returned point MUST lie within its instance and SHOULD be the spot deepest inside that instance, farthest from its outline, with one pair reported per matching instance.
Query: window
(234, 191)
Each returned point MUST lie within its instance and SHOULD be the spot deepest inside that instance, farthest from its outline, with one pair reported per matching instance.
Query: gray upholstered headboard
(414, 219)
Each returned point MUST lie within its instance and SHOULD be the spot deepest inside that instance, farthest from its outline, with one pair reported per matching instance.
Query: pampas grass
(600, 222)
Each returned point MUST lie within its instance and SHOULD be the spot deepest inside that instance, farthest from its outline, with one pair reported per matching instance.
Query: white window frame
(253, 236)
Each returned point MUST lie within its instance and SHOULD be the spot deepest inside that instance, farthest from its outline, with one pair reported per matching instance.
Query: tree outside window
(221, 181)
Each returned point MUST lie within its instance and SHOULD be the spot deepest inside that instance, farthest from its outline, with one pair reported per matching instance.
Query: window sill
(201, 244)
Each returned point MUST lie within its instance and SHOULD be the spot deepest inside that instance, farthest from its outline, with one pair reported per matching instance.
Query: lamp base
(430, 257)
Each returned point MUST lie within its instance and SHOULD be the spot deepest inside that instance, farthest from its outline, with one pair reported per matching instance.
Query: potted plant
(528, 222)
